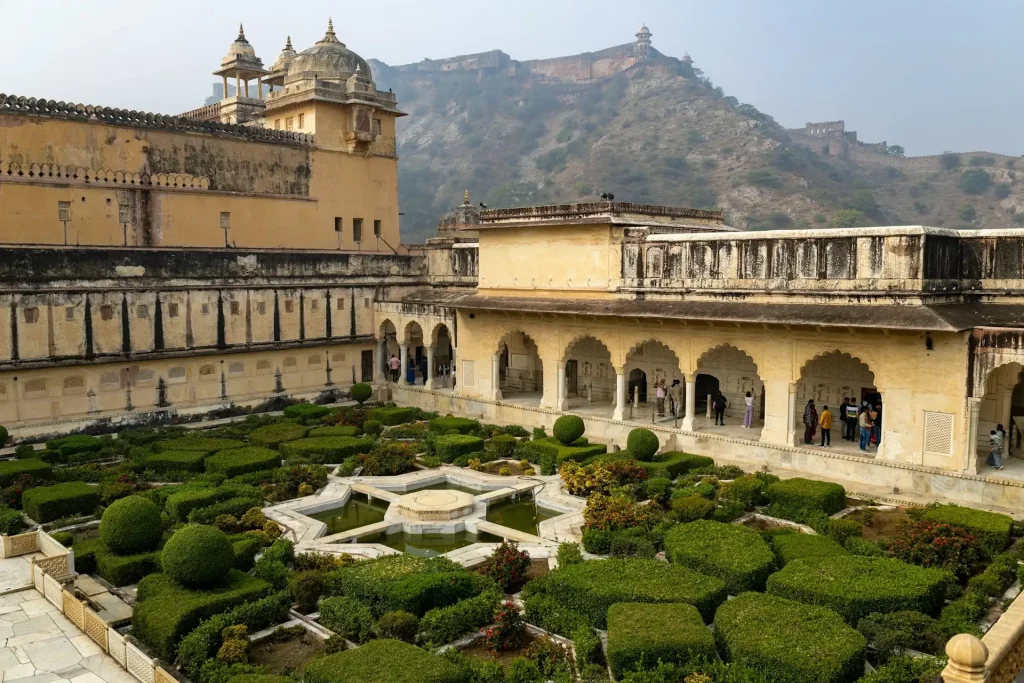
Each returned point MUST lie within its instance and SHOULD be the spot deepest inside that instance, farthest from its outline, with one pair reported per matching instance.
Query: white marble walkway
(38, 644)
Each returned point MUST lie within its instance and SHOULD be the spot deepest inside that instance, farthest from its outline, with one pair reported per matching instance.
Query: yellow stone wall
(911, 379)
(278, 195)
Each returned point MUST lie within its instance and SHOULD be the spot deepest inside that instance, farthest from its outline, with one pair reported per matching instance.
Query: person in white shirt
(748, 414)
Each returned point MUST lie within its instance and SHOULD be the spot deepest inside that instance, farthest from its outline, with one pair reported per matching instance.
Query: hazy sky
(927, 74)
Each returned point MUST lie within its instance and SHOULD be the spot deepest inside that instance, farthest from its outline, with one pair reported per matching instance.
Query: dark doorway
(637, 380)
(706, 384)
(572, 378)
(367, 369)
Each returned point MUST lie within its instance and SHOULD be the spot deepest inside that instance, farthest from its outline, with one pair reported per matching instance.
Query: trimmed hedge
(197, 556)
(450, 446)
(443, 625)
(808, 494)
(131, 525)
(245, 549)
(11, 521)
(307, 411)
(991, 528)
(382, 661)
(404, 583)
(787, 641)
(855, 586)
(327, 449)
(642, 444)
(70, 499)
(236, 507)
(789, 547)
(124, 570)
(207, 444)
(552, 450)
(643, 635)
(237, 461)
(276, 434)
(165, 612)
(180, 504)
(389, 417)
(11, 469)
(349, 618)
(671, 464)
(339, 430)
(361, 392)
(72, 445)
(568, 428)
(733, 553)
(443, 425)
(592, 587)
(170, 461)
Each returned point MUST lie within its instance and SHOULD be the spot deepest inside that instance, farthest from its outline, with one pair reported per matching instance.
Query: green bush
(552, 451)
(75, 444)
(788, 641)
(338, 430)
(642, 444)
(3, 435)
(991, 528)
(894, 633)
(691, 508)
(202, 642)
(747, 490)
(641, 635)
(11, 521)
(735, 554)
(165, 612)
(260, 678)
(236, 507)
(389, 417)
(245, 550)
(450, 446)
(398, 626)
(237, 461)
(124, 570)
(789, 547)
(445, 425)
(855, 586)
(361, 392)
(382, 661)
(568, 428)
(178, 505)
(11, 469)
(306, 411)
(70, 499)
(442, 625)
(569, 553)
(348, 618)
(671, 464)
(503, 446)
(327, 449)
(131, 525)
(197, 555)
(404, 582)
(274, 435)
(589, 589)
(194, 442)
(907, 669)
(173, 461)
(65, 538)
(808, 494)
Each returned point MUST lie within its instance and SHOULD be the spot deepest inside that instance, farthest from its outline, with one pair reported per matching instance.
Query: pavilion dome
(285, 58)
(241, 49)
(459, 218)
(329, 59)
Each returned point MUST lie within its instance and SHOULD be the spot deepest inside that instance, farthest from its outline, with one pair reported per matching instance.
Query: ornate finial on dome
(330, 36)
(241, 34)
(465, 200)
(288, 44)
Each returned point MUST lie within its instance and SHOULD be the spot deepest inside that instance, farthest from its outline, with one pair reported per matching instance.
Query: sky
(930, 75)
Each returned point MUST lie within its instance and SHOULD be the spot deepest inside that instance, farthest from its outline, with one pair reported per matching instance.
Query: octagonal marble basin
(429, 505)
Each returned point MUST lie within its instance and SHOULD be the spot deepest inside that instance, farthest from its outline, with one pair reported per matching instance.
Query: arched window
(144, 378)
(291, 364)
(264, 367)
(176, 375)
(314, 360)
(110, 381)
(207, 372)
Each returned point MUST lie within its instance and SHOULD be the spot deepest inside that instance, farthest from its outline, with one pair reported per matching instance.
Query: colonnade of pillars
(403, 356)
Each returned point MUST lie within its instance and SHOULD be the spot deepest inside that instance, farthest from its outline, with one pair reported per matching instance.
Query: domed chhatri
(327, 60)
(240, 50)
(285, 58)
(461, 218)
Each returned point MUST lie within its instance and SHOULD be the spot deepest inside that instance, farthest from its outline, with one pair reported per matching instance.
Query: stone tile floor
(38, 644)
(16, 572)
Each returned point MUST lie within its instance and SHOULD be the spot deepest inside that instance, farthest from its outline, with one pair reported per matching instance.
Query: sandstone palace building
(156, 266)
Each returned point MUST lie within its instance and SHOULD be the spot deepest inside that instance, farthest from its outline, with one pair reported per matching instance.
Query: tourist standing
(876, 425)
(676, 394)
(659, 393)
(810, 421)
(395, 364)
(864, 422)
(718, 404)
(423, 368)
(995, 456)
(825, 422)
(842, 417)
(851, 420)
(748, 410)
(453, 375)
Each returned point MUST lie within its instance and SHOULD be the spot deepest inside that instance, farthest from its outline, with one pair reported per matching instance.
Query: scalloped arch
(653, 340)
(437, 328)
(567, 349)
(407, 330)
(726, 345)
(509, 332)
(383, 329)
(841, 354)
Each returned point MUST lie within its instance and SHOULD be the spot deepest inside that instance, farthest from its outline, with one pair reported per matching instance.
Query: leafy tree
(848, 218)
(949, 160)
(863, 201)
(895, 150)
(975, 181)
(1001, 190)
(762, 177)
(968, 213)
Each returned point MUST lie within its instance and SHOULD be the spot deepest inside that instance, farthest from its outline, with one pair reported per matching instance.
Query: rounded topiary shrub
(3, 435)
(568, 428)
(131, 525)
(642, 444)
(361, 392)
(198, 556)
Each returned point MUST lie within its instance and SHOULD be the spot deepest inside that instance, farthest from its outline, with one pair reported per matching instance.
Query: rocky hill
(660, 132)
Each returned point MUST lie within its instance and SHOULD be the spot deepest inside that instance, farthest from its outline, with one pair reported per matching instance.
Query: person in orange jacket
(825, 421)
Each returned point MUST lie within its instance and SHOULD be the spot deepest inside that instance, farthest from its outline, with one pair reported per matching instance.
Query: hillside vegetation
(663, 133)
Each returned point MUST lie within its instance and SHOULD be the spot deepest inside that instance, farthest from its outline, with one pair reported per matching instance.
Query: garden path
(38, 644)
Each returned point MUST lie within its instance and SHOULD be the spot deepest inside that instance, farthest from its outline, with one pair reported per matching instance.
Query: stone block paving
(38, 644)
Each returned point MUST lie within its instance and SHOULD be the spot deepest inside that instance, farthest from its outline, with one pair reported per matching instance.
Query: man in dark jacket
(810, 421)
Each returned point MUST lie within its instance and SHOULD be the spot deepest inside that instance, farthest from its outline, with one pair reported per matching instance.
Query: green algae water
(357, 512)
(522, 515)
(430, 545)
(447, 486)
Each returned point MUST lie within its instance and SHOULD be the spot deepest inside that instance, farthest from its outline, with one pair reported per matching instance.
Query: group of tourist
(996, 440)
(670, 395)
(445, 372)
(862, 424)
